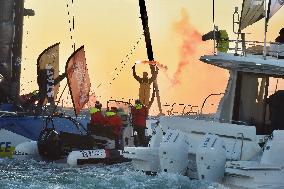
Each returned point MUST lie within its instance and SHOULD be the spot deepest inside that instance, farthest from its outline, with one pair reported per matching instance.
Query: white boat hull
(230, 154)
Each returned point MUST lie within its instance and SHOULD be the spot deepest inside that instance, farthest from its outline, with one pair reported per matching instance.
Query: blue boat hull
(17, 129)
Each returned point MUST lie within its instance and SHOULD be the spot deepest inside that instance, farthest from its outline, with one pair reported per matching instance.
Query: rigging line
(59, 99)
(128, 55)
(26, 48)
(71, 24)
(71, 31)
(123, 62)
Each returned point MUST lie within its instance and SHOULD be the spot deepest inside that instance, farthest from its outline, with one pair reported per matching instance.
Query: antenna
(265, 30)
(214, 33)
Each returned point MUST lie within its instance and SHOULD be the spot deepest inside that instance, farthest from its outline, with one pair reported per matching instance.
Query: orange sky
(109, 30)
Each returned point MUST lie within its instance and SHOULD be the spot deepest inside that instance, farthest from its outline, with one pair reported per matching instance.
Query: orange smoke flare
(154, 63)
(191, 39)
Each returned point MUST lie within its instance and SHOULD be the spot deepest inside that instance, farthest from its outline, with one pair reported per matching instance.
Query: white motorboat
(241, 144)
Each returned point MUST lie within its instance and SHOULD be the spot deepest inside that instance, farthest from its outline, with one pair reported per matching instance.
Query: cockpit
(259, 101)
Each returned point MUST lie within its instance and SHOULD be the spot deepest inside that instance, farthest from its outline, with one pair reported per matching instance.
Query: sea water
(42, 175)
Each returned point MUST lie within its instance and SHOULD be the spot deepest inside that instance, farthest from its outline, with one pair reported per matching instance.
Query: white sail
(252, 11)
(274, 6)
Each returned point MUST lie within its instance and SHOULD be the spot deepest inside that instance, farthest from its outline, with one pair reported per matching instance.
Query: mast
(144, 18)
(12, 14)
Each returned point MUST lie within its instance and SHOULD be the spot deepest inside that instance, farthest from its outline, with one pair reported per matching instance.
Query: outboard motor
(211, 158)
(49, 145)
(273, 150)
(173, 152)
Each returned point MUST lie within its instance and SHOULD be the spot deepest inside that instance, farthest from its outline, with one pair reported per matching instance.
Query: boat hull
(18, 129)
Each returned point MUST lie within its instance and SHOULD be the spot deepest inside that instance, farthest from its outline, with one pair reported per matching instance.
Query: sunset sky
(110, 28)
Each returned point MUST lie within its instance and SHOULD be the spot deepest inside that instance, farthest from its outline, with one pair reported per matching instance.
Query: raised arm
(135, 75)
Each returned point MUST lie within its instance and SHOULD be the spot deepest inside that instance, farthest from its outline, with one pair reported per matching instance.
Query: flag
(47, 71)
(78, 79)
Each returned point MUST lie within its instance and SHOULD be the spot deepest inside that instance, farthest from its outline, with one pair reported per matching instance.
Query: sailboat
(26, 125)
(239, 146)
(32, 133)
(74, 145)
(22, 120)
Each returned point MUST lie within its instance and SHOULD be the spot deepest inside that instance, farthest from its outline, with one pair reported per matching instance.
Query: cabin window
(258, 102)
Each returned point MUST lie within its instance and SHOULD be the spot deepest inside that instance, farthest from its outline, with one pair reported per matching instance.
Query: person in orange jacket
(114, 122)
(139, 115)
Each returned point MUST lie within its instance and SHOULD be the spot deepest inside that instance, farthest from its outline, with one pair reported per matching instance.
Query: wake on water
(42, 175)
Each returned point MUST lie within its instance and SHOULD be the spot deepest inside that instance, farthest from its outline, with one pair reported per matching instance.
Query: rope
(126, 59)
(119, 68)
(20, 61)
(71, 23)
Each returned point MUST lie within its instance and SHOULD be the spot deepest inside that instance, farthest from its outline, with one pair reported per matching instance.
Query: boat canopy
(250, 63)
(252, 11)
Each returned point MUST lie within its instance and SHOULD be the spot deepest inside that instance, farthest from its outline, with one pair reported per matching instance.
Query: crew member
(139, 115)
(114, 122)
(28, 101)
(145, 83)
(280, 38)
(223, 41)
(221, 37)
(97, 118)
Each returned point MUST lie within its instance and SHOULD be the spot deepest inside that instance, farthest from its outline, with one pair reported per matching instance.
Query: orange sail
(78, 79)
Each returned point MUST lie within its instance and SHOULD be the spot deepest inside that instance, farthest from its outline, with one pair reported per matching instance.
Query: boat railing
(213, 94)
(243, 48)
(174, 112)
(7, 113)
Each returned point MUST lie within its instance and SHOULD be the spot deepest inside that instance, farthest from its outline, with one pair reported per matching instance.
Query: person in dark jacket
(28, 101)
(139, 115)
(280, 38)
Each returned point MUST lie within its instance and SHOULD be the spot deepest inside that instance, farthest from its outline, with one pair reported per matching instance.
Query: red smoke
(159, 65)
(191, 39)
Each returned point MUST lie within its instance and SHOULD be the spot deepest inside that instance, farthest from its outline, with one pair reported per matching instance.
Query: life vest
(115, 122)
(223, 41)
(139, 115)
(97, 117)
